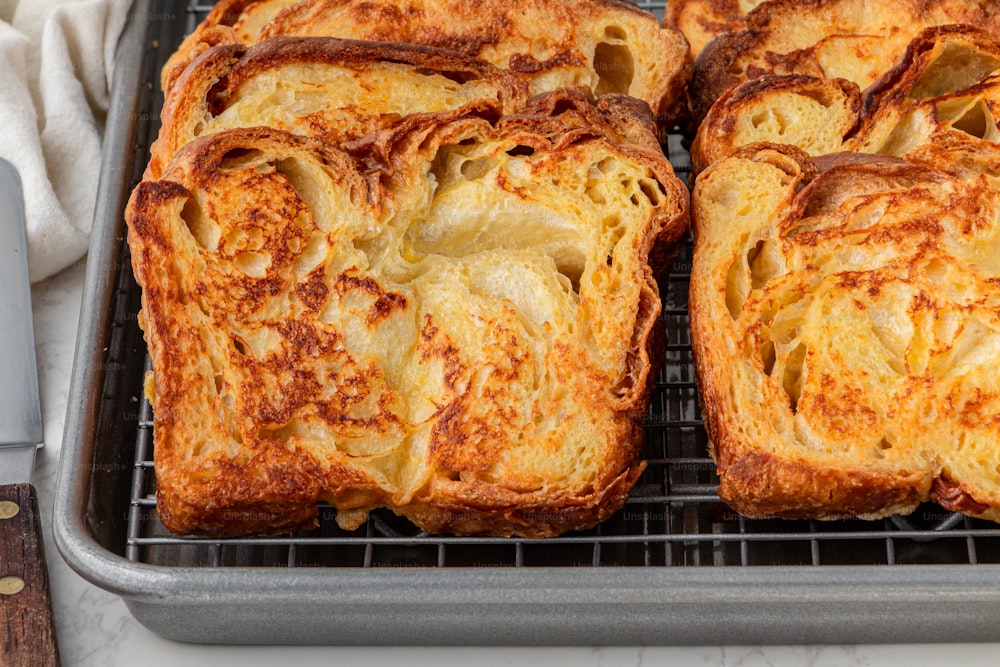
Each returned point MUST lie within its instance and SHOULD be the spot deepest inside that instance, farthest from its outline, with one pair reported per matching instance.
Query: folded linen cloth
(56, 65)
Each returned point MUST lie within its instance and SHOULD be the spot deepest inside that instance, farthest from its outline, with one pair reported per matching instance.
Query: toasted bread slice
(816, 115)
(701, 21)
(458, 321)
(229, 22)
(332, 89)
(947, 81)
(846, 325)
(857, 40)
(608, 46)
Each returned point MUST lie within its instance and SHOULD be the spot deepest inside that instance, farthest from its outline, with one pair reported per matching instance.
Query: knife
(27, 634)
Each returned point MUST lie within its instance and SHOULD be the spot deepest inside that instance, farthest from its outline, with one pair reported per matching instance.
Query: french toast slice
(228, 22)
(332, 89)
(608, 46)
(458, 320)
(857, 40)
(947, 82)
(845, 317)
(814, 114)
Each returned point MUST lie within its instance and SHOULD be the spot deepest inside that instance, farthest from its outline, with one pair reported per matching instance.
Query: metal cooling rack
(673, 517)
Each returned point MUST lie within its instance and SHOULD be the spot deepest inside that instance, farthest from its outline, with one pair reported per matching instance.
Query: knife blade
(27, 633)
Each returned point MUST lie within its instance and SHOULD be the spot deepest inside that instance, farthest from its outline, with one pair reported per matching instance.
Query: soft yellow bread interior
(462, 331)
(846, 326)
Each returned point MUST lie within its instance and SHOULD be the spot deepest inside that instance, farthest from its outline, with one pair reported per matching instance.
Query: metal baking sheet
(675, 566)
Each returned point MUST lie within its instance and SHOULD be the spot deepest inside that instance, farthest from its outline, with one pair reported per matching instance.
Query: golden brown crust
(954, 498)
(539, 520)
(362, 54)
(271, 343)
(763, 486)
(840, 328)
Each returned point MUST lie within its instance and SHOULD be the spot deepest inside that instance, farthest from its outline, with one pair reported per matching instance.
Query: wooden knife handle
(27, 635)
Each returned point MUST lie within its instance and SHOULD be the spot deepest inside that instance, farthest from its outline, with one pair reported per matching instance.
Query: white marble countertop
(94, 627)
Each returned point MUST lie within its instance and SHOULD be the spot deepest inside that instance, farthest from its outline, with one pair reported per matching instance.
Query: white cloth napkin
(56, 64)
